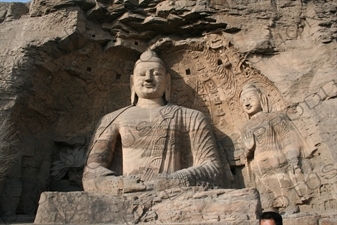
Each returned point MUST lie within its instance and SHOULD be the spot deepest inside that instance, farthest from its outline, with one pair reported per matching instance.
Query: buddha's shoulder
(277, 114)
(188, 111)
(115, 114)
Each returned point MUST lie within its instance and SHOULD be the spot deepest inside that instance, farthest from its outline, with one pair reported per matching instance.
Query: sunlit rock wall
(64, 64)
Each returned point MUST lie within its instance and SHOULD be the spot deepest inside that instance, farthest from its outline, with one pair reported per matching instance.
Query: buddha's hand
(104, 181)
(293, 166)
(163, 182)
(248, 141)
(133, 184)
(109, 185)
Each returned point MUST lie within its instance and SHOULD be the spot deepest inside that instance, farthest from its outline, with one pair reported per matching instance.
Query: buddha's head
(253, 100)
(149, 79)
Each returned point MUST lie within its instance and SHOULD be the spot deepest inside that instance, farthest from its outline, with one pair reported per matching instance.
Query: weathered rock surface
(171, 206)
(12, 11)
(64, 64)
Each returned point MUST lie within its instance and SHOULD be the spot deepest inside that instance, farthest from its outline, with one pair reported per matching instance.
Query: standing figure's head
(270, 218)
(253, 100)
(149, 79)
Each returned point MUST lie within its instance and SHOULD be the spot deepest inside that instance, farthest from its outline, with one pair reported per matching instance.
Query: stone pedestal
(181, 205)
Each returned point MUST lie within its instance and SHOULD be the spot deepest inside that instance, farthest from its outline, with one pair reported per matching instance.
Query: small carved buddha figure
(152, 143)
(273, 153)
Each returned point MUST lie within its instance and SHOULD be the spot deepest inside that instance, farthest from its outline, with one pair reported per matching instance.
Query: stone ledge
(174, 206)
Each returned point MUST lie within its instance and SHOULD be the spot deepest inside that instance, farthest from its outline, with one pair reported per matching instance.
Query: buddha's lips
(148, 85)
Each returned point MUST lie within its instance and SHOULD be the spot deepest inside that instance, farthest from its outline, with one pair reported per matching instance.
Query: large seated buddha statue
(151, 144)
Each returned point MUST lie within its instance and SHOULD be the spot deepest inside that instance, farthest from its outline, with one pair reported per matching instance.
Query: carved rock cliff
(65, 64)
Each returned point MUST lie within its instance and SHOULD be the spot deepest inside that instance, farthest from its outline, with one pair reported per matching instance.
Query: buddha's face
(149, 80)
(251, 102)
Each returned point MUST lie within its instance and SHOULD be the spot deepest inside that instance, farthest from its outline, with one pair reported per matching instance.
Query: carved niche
(209, 76)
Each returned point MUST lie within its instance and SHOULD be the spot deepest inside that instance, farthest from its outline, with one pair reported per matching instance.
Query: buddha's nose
(148, 76)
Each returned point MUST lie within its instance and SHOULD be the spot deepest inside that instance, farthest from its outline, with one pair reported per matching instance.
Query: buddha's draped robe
(165, 140)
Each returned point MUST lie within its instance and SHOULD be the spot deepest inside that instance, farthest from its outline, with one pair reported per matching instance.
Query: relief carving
(57, 83)
(216, 71)
(275, 156)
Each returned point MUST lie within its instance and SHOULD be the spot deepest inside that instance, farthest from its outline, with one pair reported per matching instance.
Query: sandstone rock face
(185, 206)
(65, 64)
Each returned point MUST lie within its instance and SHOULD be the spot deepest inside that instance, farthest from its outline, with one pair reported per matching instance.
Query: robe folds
(276, 160)
(168, 140)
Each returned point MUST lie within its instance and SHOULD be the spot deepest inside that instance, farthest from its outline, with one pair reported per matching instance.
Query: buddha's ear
(168, 88)
(133, 93)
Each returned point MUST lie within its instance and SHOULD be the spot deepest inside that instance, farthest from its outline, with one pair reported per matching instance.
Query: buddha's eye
(156, 73)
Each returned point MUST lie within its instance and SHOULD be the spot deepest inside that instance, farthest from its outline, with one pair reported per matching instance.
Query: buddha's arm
(248, 140)
(206, 167)
(291, 143)
(100, 155)
(97, 177)
(103, 144)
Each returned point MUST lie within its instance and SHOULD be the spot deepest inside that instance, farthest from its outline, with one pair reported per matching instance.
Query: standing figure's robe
(275, 160)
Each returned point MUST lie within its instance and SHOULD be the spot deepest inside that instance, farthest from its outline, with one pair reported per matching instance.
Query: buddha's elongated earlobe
(168, 88)
(133, 93)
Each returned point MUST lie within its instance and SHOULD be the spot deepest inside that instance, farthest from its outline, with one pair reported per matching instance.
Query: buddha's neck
(150, 103)
(256, 115)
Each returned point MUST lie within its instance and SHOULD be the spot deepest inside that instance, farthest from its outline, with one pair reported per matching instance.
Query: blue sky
(14, 0)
